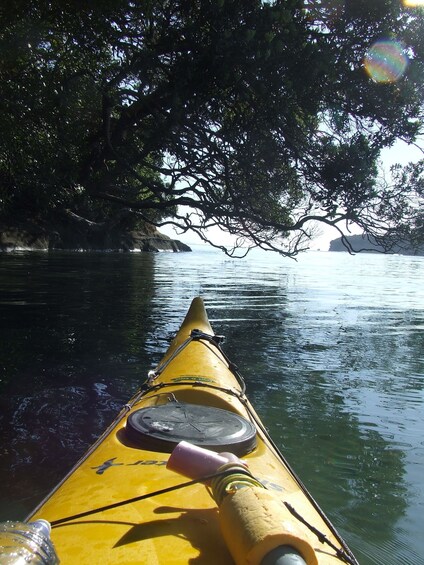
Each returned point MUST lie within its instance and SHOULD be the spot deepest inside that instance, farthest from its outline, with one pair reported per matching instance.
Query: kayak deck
(91, 518)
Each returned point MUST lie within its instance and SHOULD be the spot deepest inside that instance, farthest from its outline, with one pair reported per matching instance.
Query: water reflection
(305, 391)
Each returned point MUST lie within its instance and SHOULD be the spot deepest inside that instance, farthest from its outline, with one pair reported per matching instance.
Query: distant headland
(360, 243)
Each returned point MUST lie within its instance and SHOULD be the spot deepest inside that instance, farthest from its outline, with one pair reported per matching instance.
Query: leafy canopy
(262, 118)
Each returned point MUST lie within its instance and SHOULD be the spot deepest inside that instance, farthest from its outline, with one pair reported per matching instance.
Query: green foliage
(257, 116)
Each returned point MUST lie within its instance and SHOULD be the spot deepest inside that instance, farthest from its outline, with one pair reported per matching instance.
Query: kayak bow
(121, 504)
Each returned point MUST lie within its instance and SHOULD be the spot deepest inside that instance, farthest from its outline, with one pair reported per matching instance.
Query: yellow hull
(179, 526)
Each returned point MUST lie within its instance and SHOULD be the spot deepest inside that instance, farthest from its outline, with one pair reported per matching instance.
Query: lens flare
(413, 3)
(386, 61)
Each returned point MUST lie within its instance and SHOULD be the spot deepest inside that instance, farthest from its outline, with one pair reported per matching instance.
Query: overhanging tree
(257, 117)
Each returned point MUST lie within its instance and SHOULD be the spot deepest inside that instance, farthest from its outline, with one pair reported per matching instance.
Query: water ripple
(331, 348)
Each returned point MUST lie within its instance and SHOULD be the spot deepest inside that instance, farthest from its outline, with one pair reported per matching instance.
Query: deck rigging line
(149, 387)
(198, 335)
(341, 554)
(206, 478)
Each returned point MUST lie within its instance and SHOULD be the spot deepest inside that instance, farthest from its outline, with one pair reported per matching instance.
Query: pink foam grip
(193, 461)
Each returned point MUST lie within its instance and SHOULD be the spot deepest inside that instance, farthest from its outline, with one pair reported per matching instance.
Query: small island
(363, 244)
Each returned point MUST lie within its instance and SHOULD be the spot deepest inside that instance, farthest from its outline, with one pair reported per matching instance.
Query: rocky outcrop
(25, 237)
(81, 235)
(159, 242)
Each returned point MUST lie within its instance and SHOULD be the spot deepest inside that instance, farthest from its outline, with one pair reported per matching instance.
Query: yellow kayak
(160, 486)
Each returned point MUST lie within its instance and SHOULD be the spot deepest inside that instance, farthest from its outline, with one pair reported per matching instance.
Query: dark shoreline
(32, 237)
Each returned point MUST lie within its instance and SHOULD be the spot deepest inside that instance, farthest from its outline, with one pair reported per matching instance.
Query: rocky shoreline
(83, 236)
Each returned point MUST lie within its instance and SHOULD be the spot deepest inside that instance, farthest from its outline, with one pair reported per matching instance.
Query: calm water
(331, 347)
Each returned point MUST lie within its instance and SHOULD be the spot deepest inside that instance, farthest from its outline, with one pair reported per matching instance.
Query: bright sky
(399, 153)
(385, 61)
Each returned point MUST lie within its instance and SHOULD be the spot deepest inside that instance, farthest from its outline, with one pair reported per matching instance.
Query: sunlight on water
(331, 348)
